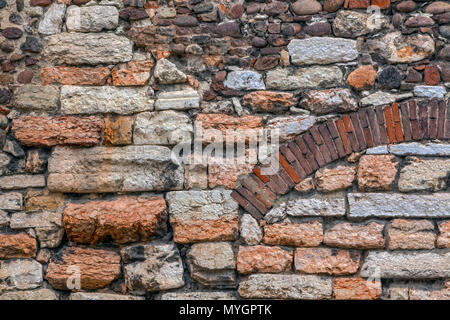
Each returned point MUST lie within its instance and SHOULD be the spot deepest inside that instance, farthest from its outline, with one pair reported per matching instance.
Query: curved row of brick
(336, 138)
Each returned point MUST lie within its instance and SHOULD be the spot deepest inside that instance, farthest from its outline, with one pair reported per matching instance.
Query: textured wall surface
(96, 97)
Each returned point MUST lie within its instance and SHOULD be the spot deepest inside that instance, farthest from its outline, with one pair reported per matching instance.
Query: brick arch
(336, 138)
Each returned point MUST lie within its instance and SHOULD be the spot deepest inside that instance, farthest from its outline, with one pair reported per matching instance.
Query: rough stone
(22, 181)
(126, 219)
(225, 172)
(306, 7)
(263, 259)
(329, 100)
(269, 101)
(389, 78)
(212, 264)
(387, 205)
(424, 174)
(438, 7)
(289, 127)
(43, 200)
(102, 296)
(317, 205)
(377, 172)
(398, 48)
(286, 286)
(91, 100)
(355, 236)
(97, 268)
(135, 168)
(249, 230)
(20, 274)
(152, 267)
(53, 19)
(352, 24)
(92, 18)
(4, 219)
(430, 91)
(74, 76)
(407, 265)
(327, 261)
(244, 80)
(47, 132)
(303, 234)
(91, 49)
(198, 216)
(11, 201)
(322, 50)
(418, 149)
(118, 130)
(18, 245)
(303, 78)
(437, 291)
(133, 73)
(362, 78)
(178, 100)
(411, 234)
(339, 178)
(332, 5)
(198, 295)
(36, 98)
(162, 128)
(356, 289)
(167, 72)
(443, 240)
(38, 294)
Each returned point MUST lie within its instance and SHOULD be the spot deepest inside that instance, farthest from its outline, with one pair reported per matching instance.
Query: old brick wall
(94, 96)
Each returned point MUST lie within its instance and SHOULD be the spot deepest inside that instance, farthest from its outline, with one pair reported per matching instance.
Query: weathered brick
(47, 132)
(225, 172)
(411, 234)
(335, 179)
(18, 245)
(133, 73)
(324, 260)
(443, 240)
(303, 234)
(355, 236)
(377, 172)
(263, 259)
(75, 76)
(118, 130)
(269, 101)
(356, 289)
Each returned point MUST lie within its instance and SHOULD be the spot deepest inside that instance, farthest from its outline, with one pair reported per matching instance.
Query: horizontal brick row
(336, 138)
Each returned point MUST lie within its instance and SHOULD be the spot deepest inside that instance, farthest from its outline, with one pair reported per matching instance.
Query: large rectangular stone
(286, 286)
(118, 169)
(203, 215)
(419, 149)
(36, 98)
(90, 100)
(91, 48)
(411, 265)
(317, 205)
(387, 205)
(322, 50)
(22, 181)
(178, 100)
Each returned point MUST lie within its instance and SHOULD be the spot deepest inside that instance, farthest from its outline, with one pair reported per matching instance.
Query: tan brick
(74, 76)
(118, 130)
(377, 172)
(443, 240)
(362, 78)
(18, 245)
(133, 73)
(306, 234)
(263, 259)
(355, 236)
(356, 289)
(52, 131)
(126, 219)
(339, 178)
(411, 234)
(98, 268)
(222, 229)
(325, 260)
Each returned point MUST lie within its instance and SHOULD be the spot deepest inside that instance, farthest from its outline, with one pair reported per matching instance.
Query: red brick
(442, 110)
(343, 135)
(364, 120)
(253, 200)
(389, 124)
(358, 131)
(293, 161)
(257, 172)
(328, 141)
(431, 75)
(357, 4)
(290, 171)
(397, 123)
(244, 203)
(263, 259)
(336, 138)
(300, 158)
(382, 4)
(325, 260)
(433, 115)
(350, 132)
(371, 116)
(307, 153)
(314, 149)
(405, 121)
(416, 132)
(423, 119)
(51, 131)
(381, 125)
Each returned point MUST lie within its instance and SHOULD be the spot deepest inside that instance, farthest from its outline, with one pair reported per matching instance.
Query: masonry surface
(94, 96)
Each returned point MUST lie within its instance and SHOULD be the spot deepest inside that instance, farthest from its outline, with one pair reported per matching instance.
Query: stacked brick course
(96, 96)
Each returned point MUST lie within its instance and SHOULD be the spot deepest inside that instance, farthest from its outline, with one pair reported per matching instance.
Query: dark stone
(31, 44)
(228, 29)
(15, 18)
(413, 76)
(80, 2)
(132, 14)
(442, 18)
(445, 31)
(29, 61)
(277, 40)
(7, 46)
(12, 33)
(44, 3)
(445, 53)
(397, 20)
(389, 78)
(5, 96)
(133, 3)
(20, 5)
(318, 29)
(236, 11)
(185, 21)
(253, 8)
(203, 7)
(274, 28)
(419, 21)
(7, 66)
(444, 67)
(2, 4)
(259, 42)
(25, 76)
(275, 8)
(269, 51)
(290, 29)
(406, 6)
(266, 63)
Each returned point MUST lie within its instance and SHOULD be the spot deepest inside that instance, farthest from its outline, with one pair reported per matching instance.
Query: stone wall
(96, 96)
